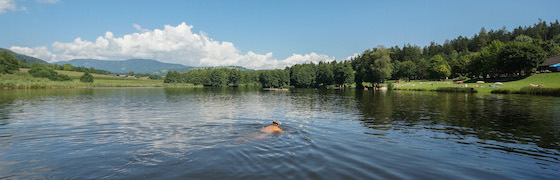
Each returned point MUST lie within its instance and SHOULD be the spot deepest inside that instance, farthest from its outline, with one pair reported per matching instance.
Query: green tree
(86, 78)
(172, 77)
(67, 67)
(343, 73)
(524, 38)
(373, 66)
(154, 77)
(325, 74)
(480, 40)
(235, 76)
(274, 78)
(405, 70)
(520, 58)
(8, 63)
(303, 75)
(422, 67)
(486, 61)
(439, 68)
(459, 66)
(219, 77)
(267, 79)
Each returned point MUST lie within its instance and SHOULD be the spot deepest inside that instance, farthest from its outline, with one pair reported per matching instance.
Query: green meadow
(23, 80)
(548, 80)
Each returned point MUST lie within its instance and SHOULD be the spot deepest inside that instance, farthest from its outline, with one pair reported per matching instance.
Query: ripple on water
(161, 133)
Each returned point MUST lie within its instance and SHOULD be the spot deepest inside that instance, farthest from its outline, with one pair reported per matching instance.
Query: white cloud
(48, 1)
(39, 52)
(353, 56)
(10, 5)
(7, 5)
(172, 44)
(139, 28)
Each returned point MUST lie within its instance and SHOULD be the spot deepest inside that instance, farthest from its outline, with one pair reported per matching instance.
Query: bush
(86, 78)
(501, 91)
(8, 63)
(62, 77)
(42, 71)
(456, 89)
(540, 91)
(155, 77)
(530, 90)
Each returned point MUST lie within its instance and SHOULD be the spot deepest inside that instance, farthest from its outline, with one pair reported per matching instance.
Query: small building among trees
(551, 64)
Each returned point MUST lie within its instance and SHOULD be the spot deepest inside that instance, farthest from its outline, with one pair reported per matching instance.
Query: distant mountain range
(138, 66)
(116, 66)
(24, 58)
(124, 66)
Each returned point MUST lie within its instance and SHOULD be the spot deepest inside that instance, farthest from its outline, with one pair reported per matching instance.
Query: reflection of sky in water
(119, 132)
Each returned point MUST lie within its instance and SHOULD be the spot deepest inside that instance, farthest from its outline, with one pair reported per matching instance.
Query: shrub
(531, 90)
(540, 91)
(42, 71)
(501, 91)
(62, 77)
(155, 77)
(456, 89)
(8, 63)
(86, 78)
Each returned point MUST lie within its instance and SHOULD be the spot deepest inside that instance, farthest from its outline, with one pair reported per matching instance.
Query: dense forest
(488, 54)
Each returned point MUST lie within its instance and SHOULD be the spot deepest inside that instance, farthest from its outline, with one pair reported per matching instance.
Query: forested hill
(115, 66)
(24, 58)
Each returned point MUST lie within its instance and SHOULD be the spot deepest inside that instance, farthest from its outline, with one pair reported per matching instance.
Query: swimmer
(264, 133)
(274, 128)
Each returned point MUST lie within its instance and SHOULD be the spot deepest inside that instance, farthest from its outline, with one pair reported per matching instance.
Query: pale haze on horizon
(252, 34)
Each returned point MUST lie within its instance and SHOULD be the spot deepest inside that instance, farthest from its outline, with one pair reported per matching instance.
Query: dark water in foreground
(140, 133)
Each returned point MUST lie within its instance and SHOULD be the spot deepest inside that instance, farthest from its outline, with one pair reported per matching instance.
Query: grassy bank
(23, 80)
(548, 83)
(530, 90)
(456, 89)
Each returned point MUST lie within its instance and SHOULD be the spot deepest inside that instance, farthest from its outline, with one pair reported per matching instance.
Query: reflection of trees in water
(175, 94)
(376, 107)
(5, 102)
(322, 102)
(504, 118)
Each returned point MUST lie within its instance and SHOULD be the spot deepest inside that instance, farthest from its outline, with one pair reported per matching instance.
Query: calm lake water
(173, 133)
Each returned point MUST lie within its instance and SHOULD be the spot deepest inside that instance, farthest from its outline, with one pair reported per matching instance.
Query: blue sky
(293, 31)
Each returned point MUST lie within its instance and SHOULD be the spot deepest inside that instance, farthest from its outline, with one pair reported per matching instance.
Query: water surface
(175, 133)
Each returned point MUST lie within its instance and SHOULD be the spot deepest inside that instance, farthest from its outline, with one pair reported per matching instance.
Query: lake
(210, 133)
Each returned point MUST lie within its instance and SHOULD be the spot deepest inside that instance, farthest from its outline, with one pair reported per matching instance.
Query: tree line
(488, 54)
(299, 75)
(69, 67)
(217, 77)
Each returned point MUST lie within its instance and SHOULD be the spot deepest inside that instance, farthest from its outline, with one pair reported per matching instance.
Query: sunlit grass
(23, 80)
(548, 80)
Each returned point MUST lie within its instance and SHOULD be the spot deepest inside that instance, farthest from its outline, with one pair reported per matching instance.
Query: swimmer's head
(276, 122)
